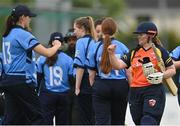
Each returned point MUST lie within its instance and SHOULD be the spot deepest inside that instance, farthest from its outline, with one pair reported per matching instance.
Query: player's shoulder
(161, 49)
(118, 42)
(22, 33)
(177, 49)
(85, 38)
(63, 55)
(98, 43)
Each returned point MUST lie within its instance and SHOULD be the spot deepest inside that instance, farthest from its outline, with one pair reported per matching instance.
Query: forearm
(129, 75)
(79, 75)
(92, 75)
(116, 63)
(169, 72)
(177, 64)
(47, 52)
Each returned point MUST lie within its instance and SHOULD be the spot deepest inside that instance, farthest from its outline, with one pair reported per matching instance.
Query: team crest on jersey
(77, 53)
(152, 102)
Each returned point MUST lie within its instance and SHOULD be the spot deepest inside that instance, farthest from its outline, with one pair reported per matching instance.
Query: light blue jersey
(94, 58)
(1, 64)
(83, 46)
(175, 54)
(56, 76)
(18, 56)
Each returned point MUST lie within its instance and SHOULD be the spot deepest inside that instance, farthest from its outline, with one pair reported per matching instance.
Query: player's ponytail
(157, 41)
(108, 29)
(92, 28)
(105, 64)
(10, 23)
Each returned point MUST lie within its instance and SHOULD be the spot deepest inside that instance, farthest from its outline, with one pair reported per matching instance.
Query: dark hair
(10, 23)
(50, 61)
(69, 34)
(99, 21)
(54, 36)
(108, 29)
(88, 24)
(16, 13)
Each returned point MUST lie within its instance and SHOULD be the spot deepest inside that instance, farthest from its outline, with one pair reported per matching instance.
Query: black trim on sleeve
(95, 55)
(33, 47)
(78, 59)
(31, 40)
(175, 59)
(91, 68)
(76, 65)
(165, 57)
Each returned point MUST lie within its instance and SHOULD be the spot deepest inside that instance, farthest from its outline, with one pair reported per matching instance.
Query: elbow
(116, 66)
(49, 54)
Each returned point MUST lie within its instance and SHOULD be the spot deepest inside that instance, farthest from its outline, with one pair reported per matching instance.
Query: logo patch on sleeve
(77, 53)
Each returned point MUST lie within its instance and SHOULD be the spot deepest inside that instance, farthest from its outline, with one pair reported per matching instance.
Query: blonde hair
(88, 24)
(157, 41)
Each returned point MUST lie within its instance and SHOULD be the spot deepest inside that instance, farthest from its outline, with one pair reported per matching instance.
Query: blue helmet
(146, 27)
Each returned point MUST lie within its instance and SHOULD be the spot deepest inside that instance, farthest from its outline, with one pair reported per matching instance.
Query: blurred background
(58, 15)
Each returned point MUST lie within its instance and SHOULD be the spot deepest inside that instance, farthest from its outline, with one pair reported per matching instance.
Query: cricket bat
(169, 81)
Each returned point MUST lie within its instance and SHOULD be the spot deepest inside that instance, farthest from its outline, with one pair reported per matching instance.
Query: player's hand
(56, 43)
(111, 49)
(77, 91)
(148, 69)
(155, 78)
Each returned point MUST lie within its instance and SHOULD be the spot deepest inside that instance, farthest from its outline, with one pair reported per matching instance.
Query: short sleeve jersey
(56, 76)
(175, 54)
(131, 59)
(94, 59)
(18, 56)
(83, 46)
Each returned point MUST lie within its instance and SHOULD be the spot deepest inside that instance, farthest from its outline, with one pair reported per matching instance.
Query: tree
(113, 7)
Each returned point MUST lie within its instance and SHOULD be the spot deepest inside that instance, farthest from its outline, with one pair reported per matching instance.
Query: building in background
(58, 15)
(164, 12)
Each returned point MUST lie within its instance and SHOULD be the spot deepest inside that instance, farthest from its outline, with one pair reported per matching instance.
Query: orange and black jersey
(131, 60)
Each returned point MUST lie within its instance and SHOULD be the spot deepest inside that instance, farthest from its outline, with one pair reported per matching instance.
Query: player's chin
(141, 43)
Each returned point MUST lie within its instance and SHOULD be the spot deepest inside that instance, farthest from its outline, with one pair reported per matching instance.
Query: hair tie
(87, 17)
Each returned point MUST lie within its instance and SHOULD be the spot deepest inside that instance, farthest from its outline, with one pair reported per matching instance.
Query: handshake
(151, 74)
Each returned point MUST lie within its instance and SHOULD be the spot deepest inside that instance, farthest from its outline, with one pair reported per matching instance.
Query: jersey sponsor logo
(152, 102)
(137, 56)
